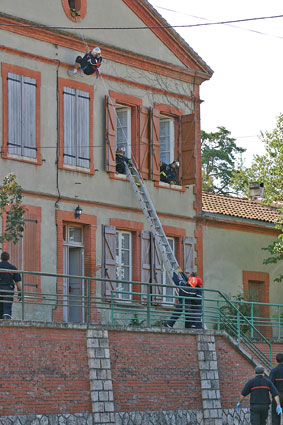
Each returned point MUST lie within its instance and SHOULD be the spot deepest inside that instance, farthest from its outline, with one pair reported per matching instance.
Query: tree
(220, 155)
(11, 207)
(267, 169)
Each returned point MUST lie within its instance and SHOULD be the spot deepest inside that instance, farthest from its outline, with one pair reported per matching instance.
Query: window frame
(128, 133)
(5, 70)
(120, 233)
(62, 83)
(82, 10)
(171, 121)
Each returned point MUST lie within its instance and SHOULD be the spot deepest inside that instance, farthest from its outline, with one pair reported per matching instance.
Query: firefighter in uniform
(276, 377)
(7, 284)
(259, 389)
(89, 64)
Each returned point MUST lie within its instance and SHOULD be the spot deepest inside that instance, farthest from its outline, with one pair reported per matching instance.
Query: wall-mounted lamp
(78, 212)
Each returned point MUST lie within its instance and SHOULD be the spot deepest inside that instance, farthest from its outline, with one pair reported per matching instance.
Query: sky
(245, 93)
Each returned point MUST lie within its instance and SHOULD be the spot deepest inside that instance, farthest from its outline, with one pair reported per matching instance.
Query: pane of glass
(125, 241)
(75, 234)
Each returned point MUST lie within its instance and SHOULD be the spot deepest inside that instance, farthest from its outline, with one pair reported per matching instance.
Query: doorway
(73, 287)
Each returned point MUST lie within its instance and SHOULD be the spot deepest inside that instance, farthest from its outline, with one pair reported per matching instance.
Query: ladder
(169, 260)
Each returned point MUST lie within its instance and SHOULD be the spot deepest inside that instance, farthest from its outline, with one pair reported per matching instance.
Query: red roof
(238, 207)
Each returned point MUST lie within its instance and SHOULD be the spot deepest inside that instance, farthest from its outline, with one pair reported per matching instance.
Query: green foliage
(11, 205)
(231, 313)
(135, 321)
(220, 155)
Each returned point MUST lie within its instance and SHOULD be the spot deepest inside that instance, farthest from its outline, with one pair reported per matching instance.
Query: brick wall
(154, 371)
(234, 371)
(43, 371)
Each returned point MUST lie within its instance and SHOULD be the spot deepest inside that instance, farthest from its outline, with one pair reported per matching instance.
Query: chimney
(256, 191)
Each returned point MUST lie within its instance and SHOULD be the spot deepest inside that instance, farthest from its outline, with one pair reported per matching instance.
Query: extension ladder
(169, 260)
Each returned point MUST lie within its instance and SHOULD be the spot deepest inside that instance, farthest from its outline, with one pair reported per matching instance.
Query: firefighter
(276, 377)
(164, 172)
(259, 389)
(173, 174)
(120, 160)
(89, 64)
(191, 296)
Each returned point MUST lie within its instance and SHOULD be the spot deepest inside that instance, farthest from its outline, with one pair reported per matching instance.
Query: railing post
(148, 306)
(279, 322)
(88, 301)
(112, 308)
(238, 328)
(23, 296)
(252, 319)
(218, 316)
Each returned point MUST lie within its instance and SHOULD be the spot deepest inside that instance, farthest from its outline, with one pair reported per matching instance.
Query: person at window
(7, 284)
(259, 389)
(164, 172)
(74, 12)
(276, 377)
(120, 160)
(89, 64)
(191, 296)
(173, 174)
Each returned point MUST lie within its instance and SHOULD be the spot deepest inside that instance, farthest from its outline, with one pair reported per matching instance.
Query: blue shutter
(82, 129)
(14, 114)
(69, 126)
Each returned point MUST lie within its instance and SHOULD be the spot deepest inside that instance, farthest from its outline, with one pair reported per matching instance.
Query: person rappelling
(89, 64)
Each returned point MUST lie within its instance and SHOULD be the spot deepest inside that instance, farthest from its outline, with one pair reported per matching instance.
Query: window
(167, 139)
(123, 129)
(75, 10)
(21, 114)
(76, 103)
(123, 262)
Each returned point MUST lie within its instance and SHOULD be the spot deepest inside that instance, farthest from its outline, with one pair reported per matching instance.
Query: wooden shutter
(29, 117)
(188, 254)
(155, 145)
(144, 141)
(69, 126)
(109, 258)
(145, 261)
(83, 129)
(110, 134)
(156, 263)
(14, 114)
(188, 142)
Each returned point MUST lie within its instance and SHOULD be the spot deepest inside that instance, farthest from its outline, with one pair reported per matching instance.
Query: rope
(82, 36)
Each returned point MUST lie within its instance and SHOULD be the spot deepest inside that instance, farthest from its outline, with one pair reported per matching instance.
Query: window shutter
(14, 114)
(188, 254)
(29, 117)
(16, 253)
(109, 258)
(83, 129)
(155, 144)
(144, 141)
(32, 229)
(156, 262)
(110, 134)
(145, 261)
(69, 126)
(188, 149)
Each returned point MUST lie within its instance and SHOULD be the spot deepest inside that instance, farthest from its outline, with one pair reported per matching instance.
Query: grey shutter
(14, 114)
(188, 254)
(109, 258)
(145, 261)
(82, 129)
(69, 126)
(29, 117)
(156, 262)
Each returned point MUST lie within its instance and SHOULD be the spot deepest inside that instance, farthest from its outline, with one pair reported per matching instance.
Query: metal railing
(151, 306)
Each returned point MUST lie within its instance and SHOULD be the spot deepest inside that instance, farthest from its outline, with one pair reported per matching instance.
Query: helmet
(121, 150)
(177, 163)
(96, 51)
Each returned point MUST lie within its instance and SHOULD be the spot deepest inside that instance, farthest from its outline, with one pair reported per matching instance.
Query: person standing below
(7, 285)
(260, 389)
(276, 377)
(89, 64)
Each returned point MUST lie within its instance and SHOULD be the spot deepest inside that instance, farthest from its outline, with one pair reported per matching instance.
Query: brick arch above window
(79, 5)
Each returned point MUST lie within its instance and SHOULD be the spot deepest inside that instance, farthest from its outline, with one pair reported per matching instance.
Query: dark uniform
(120, 162)
(259, 388)
(7, 284)
(164, 172)
(276, 377)
(89, 63)
(188, 296)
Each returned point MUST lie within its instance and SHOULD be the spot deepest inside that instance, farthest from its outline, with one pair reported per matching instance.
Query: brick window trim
(258, 277)
(83, 10)
(63, 82)
(5, 69)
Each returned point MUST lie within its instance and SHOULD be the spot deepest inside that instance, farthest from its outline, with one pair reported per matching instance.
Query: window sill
(117, 176)
(163, 185)
(76, 169)
(26, 159)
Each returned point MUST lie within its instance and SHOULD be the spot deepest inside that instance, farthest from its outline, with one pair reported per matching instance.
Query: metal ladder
(169, 260)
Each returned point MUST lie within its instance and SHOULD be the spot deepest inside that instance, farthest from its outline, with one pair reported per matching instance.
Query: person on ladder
(89, 64)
